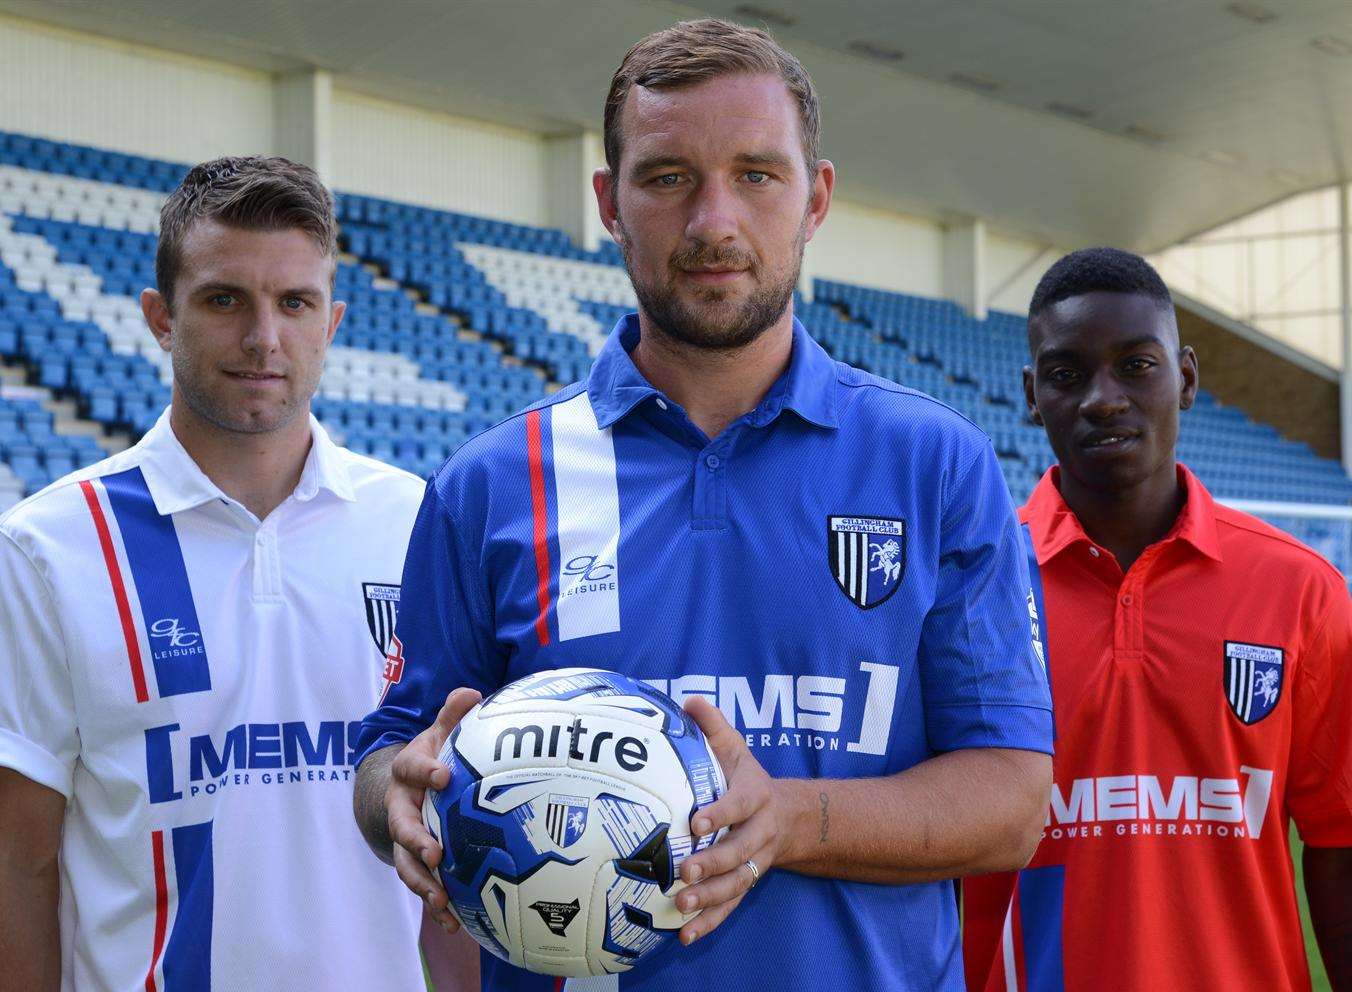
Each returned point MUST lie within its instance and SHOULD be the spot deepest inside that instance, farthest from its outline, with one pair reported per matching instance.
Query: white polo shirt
(192, 680)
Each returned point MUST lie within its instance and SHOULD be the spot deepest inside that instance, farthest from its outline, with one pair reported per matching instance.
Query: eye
(293, 303)
(220, 299)
(1061, 375)
(668, 180)
(758, 178)
(1138, 364)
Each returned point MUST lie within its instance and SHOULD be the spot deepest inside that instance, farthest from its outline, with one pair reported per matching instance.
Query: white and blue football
(567, 817)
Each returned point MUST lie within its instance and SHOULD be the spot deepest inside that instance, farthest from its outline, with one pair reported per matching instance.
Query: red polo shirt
(1202, 701)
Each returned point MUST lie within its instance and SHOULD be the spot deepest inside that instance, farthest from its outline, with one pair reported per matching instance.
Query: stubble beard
(217, 412)
(714, 322)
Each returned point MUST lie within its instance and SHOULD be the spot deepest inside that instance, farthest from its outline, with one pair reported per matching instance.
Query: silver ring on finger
(755, 874)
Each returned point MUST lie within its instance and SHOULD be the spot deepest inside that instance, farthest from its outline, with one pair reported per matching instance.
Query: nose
(713, 214)
(263, 337)
(1104, 398)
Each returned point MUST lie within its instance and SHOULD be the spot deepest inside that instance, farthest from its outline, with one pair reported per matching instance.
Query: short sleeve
(983, 683)
(39, 738)
(444, 630)
(1319, 786)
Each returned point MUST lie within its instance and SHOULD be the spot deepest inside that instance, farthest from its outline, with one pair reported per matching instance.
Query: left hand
(755, 810)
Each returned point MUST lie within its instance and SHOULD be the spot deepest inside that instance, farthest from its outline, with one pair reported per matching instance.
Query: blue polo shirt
(840, 571)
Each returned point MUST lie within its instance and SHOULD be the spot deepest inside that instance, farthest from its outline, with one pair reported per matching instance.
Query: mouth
(1108, 442)
(713, 276)
(247, 376)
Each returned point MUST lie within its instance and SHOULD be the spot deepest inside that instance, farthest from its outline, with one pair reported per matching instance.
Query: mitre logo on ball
(628, 752)
(567, 817)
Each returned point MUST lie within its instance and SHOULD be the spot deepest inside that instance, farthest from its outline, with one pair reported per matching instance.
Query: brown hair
(693, 51)
(251, 192)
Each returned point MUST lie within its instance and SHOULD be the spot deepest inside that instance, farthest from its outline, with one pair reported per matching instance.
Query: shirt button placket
(710, 491)
(1130, 609)
(266, 567)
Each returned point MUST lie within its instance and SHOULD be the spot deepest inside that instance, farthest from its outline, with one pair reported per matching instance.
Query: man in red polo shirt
(1201, 672)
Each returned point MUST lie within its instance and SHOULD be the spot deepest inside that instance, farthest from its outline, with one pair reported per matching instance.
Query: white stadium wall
(389, 150)
(879, 249)
(905, 254)
(1013, 267)
(85, 89)
(1276, 270)
(88, 90)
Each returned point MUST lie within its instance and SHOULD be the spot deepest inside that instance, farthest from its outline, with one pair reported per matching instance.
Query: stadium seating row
(32, 453)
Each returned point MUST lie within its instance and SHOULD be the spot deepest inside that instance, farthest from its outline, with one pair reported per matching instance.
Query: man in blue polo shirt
(824, 567)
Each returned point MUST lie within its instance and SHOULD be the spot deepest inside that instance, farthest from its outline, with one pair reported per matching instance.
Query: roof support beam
(572, 158)
(964, 266)
(303, 119)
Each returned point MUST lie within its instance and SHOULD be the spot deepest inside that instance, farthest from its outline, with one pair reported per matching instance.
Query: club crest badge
(867, 557)
(1252, 679)
(566, 818)
(382, 609)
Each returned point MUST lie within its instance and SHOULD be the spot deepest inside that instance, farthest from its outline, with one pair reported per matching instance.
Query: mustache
(714, 256)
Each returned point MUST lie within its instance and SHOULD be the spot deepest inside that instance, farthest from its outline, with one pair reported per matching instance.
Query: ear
(1187, 367)
(603, 183)
(1029, 397)
(337, 311)
(819, 203)
(155, 309)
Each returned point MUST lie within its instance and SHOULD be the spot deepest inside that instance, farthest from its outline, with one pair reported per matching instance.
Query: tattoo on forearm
(368, 800)
(825, 801)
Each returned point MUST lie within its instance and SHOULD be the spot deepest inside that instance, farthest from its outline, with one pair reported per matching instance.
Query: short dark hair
(691, 52)
(1098, 270)
(253, 192)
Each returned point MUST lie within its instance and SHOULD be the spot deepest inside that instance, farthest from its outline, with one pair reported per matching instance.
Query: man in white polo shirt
(190, 632)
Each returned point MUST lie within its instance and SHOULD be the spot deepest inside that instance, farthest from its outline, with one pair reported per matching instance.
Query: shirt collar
(807, 387)
(1055, 527)
(176, 482)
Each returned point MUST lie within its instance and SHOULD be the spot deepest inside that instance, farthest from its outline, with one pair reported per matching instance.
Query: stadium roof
(1137, 124)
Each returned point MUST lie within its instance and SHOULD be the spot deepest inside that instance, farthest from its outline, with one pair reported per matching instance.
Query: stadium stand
(455, 321)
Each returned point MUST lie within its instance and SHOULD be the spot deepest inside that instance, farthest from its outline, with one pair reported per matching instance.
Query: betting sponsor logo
(1181, 806)
(180, 765)
(801, 710)
(393, 672)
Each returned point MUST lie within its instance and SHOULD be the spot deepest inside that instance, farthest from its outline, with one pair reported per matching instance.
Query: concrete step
(382, 281)
(66, 419)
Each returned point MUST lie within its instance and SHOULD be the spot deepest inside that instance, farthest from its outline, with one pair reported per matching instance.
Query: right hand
(416, 769)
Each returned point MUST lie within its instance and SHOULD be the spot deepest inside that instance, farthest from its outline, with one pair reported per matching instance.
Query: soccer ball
(567, 817)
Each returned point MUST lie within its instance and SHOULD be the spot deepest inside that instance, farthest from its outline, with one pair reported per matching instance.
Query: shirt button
(661, 403)
(1094, 552)
(1126, 600)
(712, 461)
